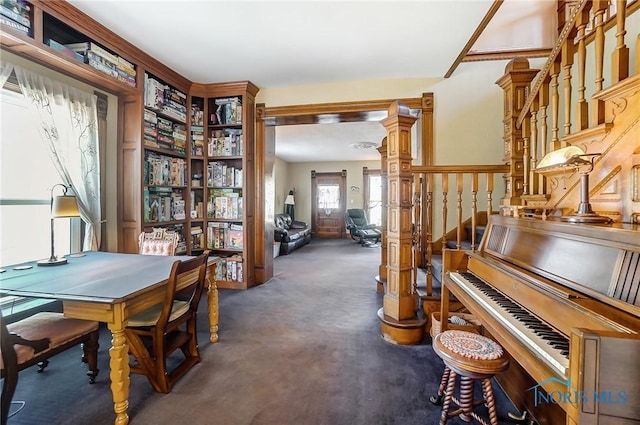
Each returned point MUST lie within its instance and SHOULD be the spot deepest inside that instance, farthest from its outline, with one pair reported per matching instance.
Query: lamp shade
(561, 159)
(289, 200)
(64, 206)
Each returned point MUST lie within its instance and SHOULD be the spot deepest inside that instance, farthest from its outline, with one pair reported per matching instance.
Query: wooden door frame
(343, 198)
(357, 111)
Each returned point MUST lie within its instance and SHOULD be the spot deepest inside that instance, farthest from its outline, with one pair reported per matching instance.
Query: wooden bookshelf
(229, 180)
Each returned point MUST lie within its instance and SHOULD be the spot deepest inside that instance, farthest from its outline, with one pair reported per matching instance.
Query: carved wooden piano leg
(466, 398)
(437, 399)
(448, 397)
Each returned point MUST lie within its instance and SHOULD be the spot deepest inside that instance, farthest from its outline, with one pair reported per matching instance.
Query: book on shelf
(18, 11)
(64, 50)
(15, 25)
(235, 236)
(98, 62)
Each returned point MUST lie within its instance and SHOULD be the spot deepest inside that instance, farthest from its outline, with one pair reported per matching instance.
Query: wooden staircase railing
(434, 217)
(572, 102)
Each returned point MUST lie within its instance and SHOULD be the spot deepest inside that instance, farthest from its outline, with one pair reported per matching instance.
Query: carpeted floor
(302, 349)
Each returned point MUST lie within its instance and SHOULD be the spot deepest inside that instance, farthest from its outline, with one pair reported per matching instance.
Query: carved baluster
(544, 129)
(445, 191)
(568, 51)
(582, 113)
(429, 213)
(533, 142)
(417, 185)
(526, 155)
(489, 193)
(474, 208)
(459, 187)
(555, 101)
(599, 8)
(620, 56)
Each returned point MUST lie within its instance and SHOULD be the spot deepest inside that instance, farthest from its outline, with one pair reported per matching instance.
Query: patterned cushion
(156, 248)
(471, 345)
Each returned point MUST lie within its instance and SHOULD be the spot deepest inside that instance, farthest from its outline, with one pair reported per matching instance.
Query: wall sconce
(572, 158)
(61, 207)
(289, 202)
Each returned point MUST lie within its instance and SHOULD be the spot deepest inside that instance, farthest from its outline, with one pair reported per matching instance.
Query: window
(374, 202)
(26, 178)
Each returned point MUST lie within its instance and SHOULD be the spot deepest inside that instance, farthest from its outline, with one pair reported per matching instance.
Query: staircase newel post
(399, 321)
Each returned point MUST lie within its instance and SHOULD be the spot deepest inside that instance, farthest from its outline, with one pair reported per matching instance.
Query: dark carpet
(302, 349)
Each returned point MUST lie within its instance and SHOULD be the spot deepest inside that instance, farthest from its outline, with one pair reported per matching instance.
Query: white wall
(111, 155)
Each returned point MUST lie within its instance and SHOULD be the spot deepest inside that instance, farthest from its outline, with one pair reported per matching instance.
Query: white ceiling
(290, 43)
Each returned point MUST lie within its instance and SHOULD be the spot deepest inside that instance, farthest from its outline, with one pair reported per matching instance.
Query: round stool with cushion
(472, 357)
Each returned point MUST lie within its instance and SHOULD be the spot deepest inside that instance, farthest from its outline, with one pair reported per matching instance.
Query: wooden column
(515, 82)
(399, 322)
(382, 270)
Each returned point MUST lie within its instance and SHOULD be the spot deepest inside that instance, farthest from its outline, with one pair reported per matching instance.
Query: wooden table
(106, 287)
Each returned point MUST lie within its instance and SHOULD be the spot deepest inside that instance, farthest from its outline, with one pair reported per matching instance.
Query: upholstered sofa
(290, 233)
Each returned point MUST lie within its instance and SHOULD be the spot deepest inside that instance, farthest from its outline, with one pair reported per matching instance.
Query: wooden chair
(154, 334)
(35, 339)
(158, 242)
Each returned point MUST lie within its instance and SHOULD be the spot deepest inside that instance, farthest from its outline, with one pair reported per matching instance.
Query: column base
(402, 332)
(381, 283)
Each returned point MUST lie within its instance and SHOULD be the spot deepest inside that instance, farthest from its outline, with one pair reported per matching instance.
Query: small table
(107, 287)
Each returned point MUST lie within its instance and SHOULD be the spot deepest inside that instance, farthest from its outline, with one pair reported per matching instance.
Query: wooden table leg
(212, 298)
(119, 366)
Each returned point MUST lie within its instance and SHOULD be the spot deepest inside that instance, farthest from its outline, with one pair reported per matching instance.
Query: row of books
(104, 61)
(197, 116)
(227, 142)
(223, 235)
(16, 14)
(226, 111)
(160, 132)
(197, 140)
(225, 206)
(230, 269)
(160, 205)
(220, 174)
(162, 170)
(165, 99)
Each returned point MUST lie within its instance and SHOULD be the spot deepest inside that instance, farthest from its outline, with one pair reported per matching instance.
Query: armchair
(359, 228)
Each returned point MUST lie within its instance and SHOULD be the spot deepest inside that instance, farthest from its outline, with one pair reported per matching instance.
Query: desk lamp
(572, 158)
(61, 207)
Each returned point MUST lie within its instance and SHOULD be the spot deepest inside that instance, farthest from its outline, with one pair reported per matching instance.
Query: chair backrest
(158, 242)
(356, 218)
(191, 291)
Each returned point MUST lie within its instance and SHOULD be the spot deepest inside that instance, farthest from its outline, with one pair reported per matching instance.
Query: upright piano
(563, 299)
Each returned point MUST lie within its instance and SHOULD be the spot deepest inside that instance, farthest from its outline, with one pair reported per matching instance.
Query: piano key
(551, 346)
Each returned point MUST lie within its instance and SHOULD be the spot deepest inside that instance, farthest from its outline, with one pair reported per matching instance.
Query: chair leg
(448, 397)
(437, 399)
(90, 355)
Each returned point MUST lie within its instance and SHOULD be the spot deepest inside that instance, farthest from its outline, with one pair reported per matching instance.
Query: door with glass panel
(328, 209)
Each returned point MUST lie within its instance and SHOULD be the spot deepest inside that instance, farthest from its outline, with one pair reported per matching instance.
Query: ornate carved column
(515, 82)
(399, 322)
(382, 270)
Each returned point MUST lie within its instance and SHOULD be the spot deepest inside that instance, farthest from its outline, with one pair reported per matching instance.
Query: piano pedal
(524, 418)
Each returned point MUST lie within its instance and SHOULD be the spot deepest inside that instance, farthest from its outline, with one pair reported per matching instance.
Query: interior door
(328, 209)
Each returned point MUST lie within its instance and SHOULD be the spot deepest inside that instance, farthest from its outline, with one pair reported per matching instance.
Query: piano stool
(473, 357)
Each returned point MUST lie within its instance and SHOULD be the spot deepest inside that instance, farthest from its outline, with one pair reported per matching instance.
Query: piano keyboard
(551, 346)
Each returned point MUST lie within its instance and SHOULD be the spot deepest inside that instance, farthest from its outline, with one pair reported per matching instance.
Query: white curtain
(68, 123)
(5, 72)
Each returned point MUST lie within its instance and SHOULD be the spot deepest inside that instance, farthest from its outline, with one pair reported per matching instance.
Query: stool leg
(437, 400)
(466, 398)
(448, 396)
(487, 389)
